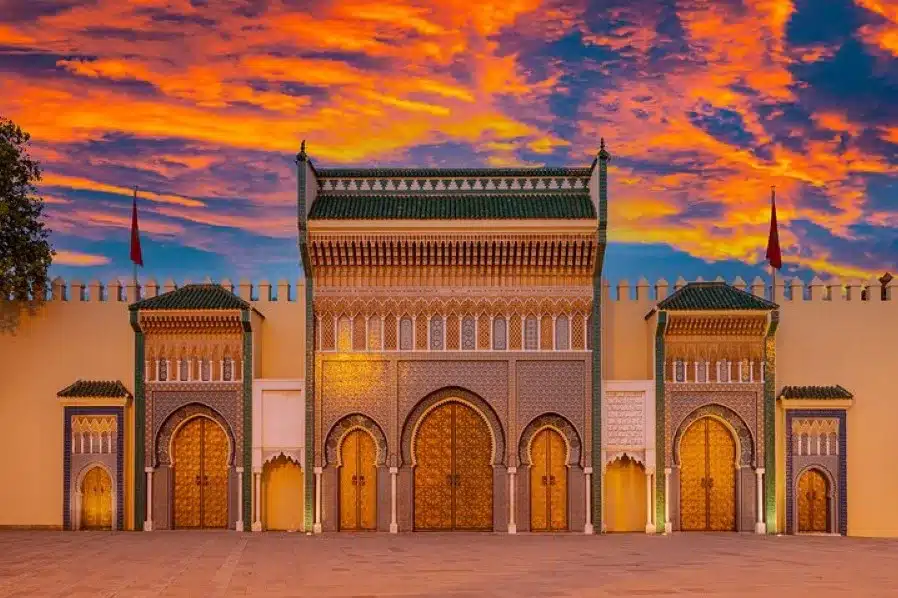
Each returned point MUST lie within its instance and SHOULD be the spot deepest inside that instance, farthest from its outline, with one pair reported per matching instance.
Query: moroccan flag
(136, 254)
(774, 256)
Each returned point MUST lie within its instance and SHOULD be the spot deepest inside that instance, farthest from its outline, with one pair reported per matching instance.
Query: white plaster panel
(278, 420)
(628, 421)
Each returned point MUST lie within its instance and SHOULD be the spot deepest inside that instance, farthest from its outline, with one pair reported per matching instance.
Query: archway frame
(333, 444)
(439, 398)
(558, 423)
(169, 429)
(832, 522)
(741, 434)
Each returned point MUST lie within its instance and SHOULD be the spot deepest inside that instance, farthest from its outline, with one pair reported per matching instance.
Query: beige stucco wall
(93, 339)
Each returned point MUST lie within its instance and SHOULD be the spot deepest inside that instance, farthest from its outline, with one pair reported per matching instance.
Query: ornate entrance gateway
(96, 500)
(707, 477)
(201, 474)
(548, 482)
(453, 473)
(812, 511)
(358, 482)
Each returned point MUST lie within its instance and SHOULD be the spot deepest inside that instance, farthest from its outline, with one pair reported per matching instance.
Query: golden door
(707, 477)
(625, 496)
(812, 511)
(201, 475)
(453, 473)
(548, 482)
(96, 500)
(282, 483)
(358, 482)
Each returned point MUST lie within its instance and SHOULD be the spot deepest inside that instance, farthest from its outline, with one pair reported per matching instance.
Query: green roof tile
(393, 173)
(815, 392)
(194, 296)
(699, 296)
(461, 206)
(95, 388)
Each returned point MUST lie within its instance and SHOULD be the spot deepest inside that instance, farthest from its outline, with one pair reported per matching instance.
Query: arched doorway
(813, 511)
(548, 482)
(707, 477)
(625, 496)
(200, 462)
(96, 499)
(358, 481)
(282, 507)
(453, 477)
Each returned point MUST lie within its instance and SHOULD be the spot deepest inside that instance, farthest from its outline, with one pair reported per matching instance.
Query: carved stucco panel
(358, 386)
(681, 400)
(487, 379)
(551, 387)
(623, 418)
(161, 404)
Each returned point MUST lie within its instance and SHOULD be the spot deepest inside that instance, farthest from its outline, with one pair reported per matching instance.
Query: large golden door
(201, 475)
(707, 477)
(96, 500)
(358, 482)
(453, 473)
(812, 511)
(282, 484)
(625, 496)
(548, 482)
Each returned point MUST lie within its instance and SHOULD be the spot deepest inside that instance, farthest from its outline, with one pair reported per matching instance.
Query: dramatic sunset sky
(704, 106)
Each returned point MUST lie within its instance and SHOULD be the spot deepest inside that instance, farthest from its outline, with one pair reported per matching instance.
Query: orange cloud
(72, 182)
(76, 258)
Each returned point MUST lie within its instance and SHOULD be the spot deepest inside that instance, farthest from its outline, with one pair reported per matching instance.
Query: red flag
(136, 254)
(774, 256)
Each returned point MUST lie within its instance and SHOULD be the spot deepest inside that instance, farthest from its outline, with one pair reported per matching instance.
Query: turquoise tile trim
(596, 332)
(309, 466)
(660, 440)
(247, 417)
(140, 410)
(769, 423)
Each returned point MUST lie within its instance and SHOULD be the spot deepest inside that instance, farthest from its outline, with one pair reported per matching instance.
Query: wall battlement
(788, 290)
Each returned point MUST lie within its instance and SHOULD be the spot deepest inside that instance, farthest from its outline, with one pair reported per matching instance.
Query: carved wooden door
(812, 512)
(358, 482)
(453, 473)
(201, 475)
(96, 500)
(707, 477)
(548, 482)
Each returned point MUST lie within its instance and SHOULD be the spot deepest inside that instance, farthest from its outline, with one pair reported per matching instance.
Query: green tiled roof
(462, 206)
(95, 388)
(698, 296)
(815, 392)
(390, 173)
(194, 296)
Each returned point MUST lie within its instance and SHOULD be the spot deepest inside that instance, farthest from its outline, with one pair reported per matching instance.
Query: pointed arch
(558, 423)
(355, 421)
(740, 431)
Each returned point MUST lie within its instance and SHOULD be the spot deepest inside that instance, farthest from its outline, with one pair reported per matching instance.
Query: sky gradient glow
(704, 105)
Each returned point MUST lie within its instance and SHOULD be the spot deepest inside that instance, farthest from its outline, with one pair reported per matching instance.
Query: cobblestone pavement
(102, 564)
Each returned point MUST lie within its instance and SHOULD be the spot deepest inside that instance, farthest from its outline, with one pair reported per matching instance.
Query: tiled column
(317, 525)
(238, 526)
(394, 525)
(649, 526)
(588, 528)
(512, 526)
(668, 527)
(148, 522)
(257, 500)
(760, 528)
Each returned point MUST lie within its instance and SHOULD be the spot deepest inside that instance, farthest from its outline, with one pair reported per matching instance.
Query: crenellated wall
(834, 332)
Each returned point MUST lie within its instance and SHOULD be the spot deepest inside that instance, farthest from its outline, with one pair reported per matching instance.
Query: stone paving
(103, 564)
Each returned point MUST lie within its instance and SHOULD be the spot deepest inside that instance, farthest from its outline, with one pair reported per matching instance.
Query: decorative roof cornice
(717, 325)
(193, 297)
(437, 173)
(714, 296)
(207, 322)
(811, 393)
(90, 389)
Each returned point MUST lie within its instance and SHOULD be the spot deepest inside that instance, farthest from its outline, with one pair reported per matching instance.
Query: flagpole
(136, 281)
(772, 269)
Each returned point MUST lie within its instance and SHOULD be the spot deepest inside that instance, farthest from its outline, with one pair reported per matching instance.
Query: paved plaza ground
(102, 564)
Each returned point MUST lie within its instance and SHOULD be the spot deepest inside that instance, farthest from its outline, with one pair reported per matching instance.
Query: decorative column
(238, 526)
(512, 526)
(668, 527)
(588, 528)
(603, 528)
(649, 526)
(76, 524)
(760, 528)
(257, 500)
(148, 522)
(316, 527)
(394, 526)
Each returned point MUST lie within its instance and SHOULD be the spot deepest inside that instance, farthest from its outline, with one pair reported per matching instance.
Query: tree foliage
(25, 252)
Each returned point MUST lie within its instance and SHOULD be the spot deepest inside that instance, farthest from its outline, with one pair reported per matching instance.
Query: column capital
(668, 471)
(257, 470)
(318, 470)
(512, 470)
(149, 469)
(394, 470)
(587, 470)
(239, 470)
(759, 471)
